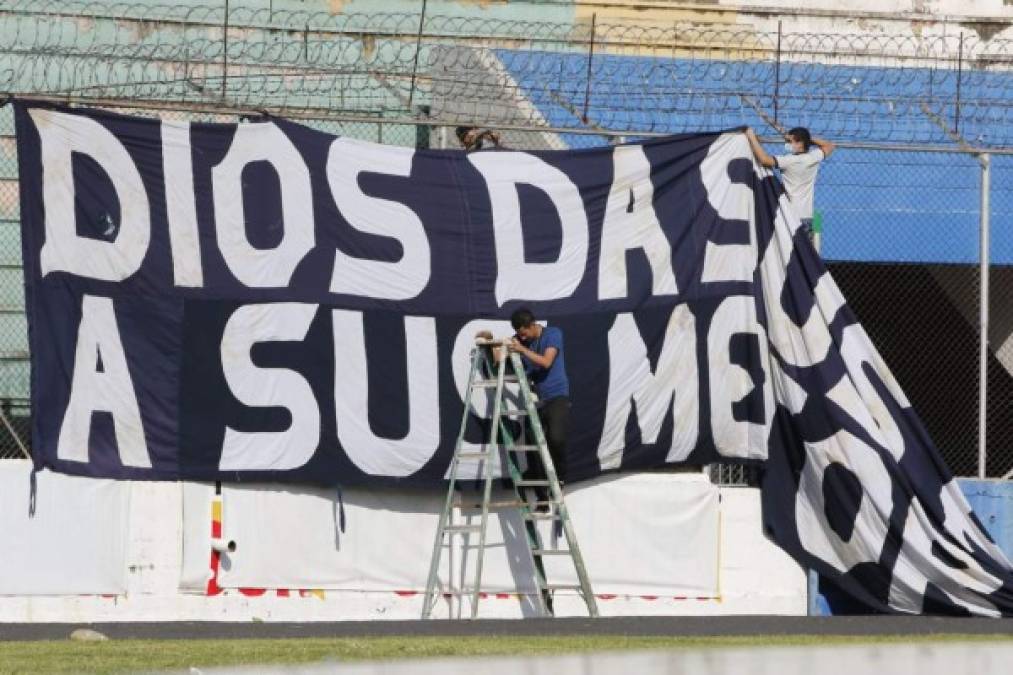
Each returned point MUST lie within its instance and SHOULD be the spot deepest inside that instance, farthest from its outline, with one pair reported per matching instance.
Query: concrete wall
(992, 501)
(756, 577)
(982, 19)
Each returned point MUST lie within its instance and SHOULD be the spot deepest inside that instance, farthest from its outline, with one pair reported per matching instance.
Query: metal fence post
(225, 50)
(415, 61)
(590, 59)
(986, 176)
(777, 74)
(960, 77)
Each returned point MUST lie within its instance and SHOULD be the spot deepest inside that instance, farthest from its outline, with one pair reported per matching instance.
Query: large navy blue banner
(263, 301)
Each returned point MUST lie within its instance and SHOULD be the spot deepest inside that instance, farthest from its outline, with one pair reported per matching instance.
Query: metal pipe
(330, 115)
(960, 72)
(415, 62)
(590, 58)
(223, 545)
(225, 49)
(777, 73)
(986, 179)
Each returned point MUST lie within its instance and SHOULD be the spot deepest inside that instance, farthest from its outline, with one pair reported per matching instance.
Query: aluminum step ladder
(488, 372)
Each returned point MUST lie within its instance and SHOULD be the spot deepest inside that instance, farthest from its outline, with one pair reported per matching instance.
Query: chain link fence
(14, 389)
(901, 237)
(999, 426)
(901, 223)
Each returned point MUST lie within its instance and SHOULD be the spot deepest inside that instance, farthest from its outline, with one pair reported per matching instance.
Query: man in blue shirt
(541, 350)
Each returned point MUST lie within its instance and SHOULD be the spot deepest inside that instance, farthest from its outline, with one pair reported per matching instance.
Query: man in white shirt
(798, 168)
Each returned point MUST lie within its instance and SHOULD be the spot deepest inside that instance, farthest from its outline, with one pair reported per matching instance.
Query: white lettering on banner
(815, 533)
(371, 453)
(856, 395)
(263, 268)
(787, 391)
(517, 279)
(106, 389)
(732, 201)
(180, 204)
(675, 386)
(630, 223)
(731, 382)
(269, 387)
(61, 135)
(399, 280)
(810, 343)
(963, 583)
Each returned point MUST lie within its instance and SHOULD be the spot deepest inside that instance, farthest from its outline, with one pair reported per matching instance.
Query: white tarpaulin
(645, 534)
(194, 569)
(649, 534)
(289, 537)
(75, 544)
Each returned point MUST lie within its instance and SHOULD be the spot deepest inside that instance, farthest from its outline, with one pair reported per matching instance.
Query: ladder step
(509, 379)
(521, 448)
(462, 528)
(535, 505)
(510, 504)
(514, 413)
(534, 515)
(561, 587)
(549, 551)
(508, 448)
(532, 483)
(473, 455)
(492, 504)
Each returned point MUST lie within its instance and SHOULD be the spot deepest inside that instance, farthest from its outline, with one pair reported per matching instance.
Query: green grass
(131, 655)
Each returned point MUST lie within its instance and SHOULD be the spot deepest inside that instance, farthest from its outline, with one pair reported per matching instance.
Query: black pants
(555, 418)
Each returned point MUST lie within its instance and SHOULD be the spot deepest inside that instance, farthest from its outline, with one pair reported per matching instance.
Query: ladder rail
(432, 581)
(530, 528)
(497, 409)
(555, 490)
(487, 371)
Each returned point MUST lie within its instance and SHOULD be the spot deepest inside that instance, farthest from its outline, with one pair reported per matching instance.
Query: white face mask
(789, 148)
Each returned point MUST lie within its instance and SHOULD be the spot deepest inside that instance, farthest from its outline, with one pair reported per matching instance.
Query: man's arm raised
(761, 155)
(826, 146)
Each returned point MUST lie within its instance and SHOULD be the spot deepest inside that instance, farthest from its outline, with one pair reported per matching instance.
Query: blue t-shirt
(549, 383)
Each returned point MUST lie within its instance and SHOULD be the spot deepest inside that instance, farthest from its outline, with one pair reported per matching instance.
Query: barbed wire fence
(622, 78)
(913, 113)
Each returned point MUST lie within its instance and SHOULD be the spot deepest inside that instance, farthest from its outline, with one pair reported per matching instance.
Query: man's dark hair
(802, 134)
(522, 318)
(461, 132)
